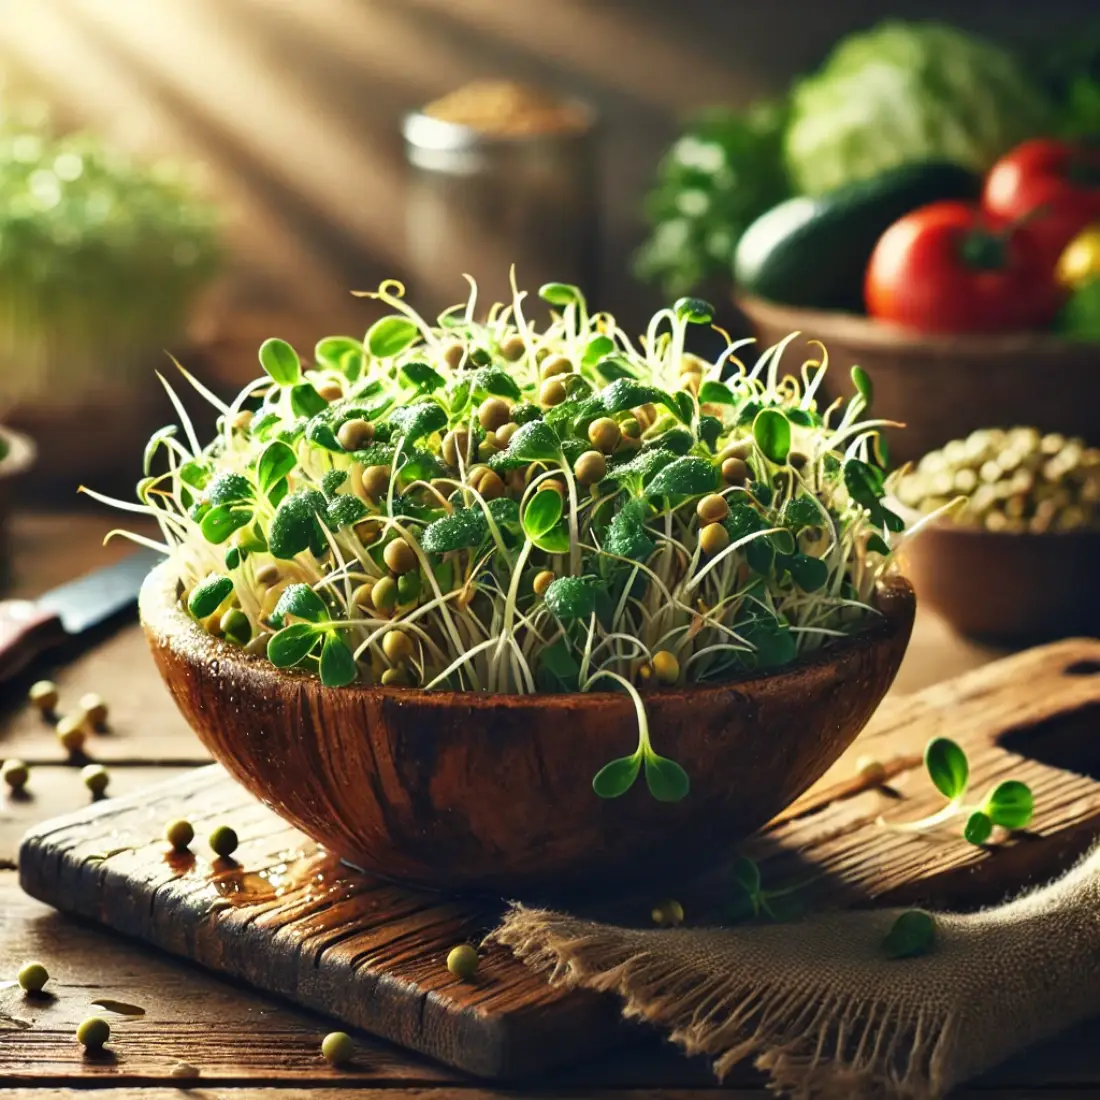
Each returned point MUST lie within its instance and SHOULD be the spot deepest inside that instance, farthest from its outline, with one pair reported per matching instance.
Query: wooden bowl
(473, 790)
(944, 387)
(1009, 588)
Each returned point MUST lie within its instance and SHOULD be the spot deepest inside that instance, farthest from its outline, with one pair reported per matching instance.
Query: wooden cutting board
(292, 921)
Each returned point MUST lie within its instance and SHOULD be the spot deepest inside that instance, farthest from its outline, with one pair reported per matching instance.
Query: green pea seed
(94, 709)
(668, 913)
(666, 667)
(93, 1033)
(337, 1048)
(408, 587)
(223, 841)
(462, 961)
(45, 696)
(179, 834)
(235, 626)
(96, 779)
(383, 594)
(15, 774)
(33, 977)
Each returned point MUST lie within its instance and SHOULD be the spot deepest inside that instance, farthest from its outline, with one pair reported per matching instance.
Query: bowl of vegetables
(1012, 557)
(491, 604)
(925, 206)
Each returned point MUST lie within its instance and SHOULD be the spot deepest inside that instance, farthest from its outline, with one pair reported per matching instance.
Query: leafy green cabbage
(903, 92)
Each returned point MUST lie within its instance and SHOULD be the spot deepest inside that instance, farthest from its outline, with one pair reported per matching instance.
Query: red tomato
(1055, 185)
(948, 268)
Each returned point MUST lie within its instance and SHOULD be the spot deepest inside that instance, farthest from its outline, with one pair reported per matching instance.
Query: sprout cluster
(490, 506)
(99, 257)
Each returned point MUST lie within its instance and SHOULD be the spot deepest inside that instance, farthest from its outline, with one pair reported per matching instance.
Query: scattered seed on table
(71, 733)
(462, 961)
(33, 977)
(95, 778)
(337, 1048)
(179, 834)
(93, 1033)
(45, 696)
(223, 841)
(15, 773)
(94, 708)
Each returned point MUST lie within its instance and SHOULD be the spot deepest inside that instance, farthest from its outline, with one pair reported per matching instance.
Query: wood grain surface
(294, 922)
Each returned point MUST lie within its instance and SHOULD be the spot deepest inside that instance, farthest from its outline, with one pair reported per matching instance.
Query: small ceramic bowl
(471, 790)
(1009, 588)
(944, 387)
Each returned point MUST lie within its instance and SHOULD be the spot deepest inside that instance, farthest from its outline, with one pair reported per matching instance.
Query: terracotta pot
(477, 790)
(18, 460)
(1010, 588)
(944, 387)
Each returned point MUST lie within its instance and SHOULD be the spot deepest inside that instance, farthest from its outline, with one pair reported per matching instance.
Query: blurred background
(198, 175)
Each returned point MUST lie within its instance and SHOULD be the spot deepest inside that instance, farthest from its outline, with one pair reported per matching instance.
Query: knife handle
(26, 631)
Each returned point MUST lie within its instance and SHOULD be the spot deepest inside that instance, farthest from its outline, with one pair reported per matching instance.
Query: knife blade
(29, 628)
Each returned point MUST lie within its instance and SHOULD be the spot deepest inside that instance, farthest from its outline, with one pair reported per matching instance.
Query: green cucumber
(813, 251)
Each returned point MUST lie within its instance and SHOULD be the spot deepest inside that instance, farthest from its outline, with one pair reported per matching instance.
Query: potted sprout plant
(100, 262)
(483, 603)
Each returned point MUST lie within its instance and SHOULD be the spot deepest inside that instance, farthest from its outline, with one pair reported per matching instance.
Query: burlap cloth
(817, 1005)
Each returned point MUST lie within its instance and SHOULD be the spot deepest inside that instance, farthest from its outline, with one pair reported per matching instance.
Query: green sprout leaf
(716, 393)
(300, 601)
(292, 645)
(1010, 804)
(389, 336)
(947, 765)
(746, 874)
(229, 488)
(694, 310)
(572, 597)
(666, 780)
(558, 669)
(295, 526)
(810, 574)
(337, 663)
(626, 393)
(686, 476)
(878, 545)
(463, 528)
(978, 828)
(422, 376)
(331, 482)
(416, 421)
(306, 401)
(534, 442)
(560, 294)
(772, 432)
(912, 934)
(554, 541)
(492, 381)
(598, 348)
(617, 777)
(275, 463)
(542, 514)
(864, 387)
(613, 367)
(626, 534)
(340, 353)
(281, 362)
(208, 595)
(344, 510)
(219, 523)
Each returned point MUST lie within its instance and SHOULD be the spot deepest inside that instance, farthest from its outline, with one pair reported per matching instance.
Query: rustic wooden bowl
(482, 791)
(944, 387)
(1009, 588)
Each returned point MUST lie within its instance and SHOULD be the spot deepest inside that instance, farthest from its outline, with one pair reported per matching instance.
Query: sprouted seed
(45, 696)
(462, 961)
(72, 733)
(871, 770)
(96, 778)
(93, 1033)
(94, 710)
(223, 841)
(33, 977)
(535, 509)
(15, 774)
(179, 834)
(337, 1048)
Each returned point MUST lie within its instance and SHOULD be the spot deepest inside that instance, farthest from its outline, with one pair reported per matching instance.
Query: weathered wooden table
(242, 1043)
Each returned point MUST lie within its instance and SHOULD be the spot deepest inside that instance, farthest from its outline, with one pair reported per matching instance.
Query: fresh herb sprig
(1009, 804)
(490, 505)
